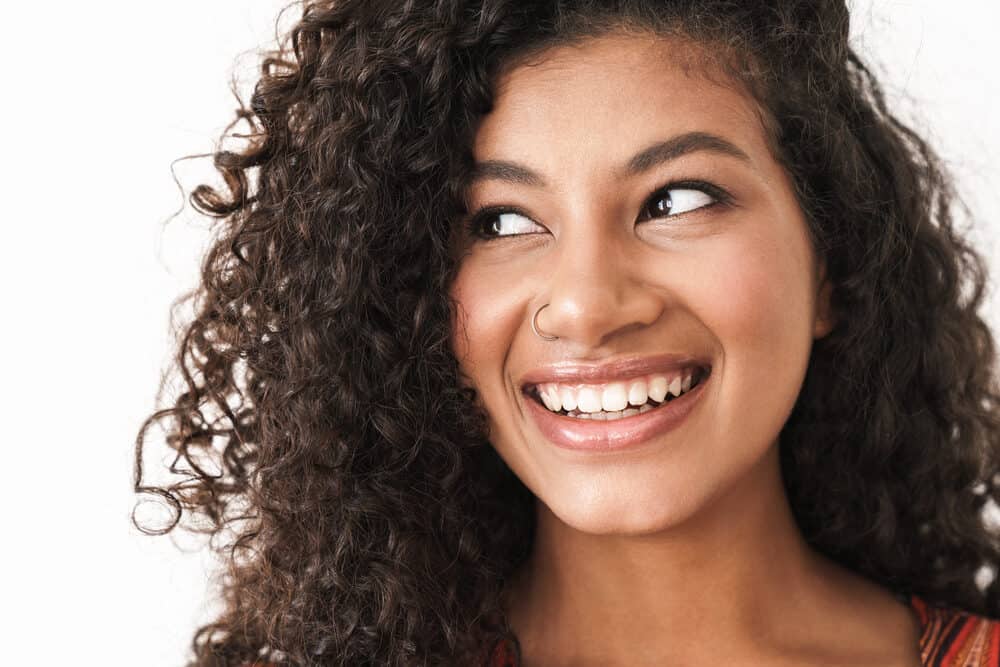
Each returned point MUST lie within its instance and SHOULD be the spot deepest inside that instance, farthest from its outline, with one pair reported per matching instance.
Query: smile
(615, 400)
(615, 415)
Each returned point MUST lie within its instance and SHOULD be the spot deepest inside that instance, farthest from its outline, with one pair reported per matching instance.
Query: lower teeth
(611, 416)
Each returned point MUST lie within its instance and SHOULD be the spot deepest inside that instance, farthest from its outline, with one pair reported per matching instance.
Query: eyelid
(473, 221)
(718, 194)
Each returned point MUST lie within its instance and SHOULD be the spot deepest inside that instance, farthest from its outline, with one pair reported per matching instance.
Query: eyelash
(475, 224)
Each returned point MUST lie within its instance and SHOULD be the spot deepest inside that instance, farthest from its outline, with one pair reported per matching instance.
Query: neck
(727, 578)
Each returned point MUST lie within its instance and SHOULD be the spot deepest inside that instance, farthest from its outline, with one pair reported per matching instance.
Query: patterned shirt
(954, 638)
(948, 638)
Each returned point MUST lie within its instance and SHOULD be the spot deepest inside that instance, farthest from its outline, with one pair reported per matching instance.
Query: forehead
(600, 98)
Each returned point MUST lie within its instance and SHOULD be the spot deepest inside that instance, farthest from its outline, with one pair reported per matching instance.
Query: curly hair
(323, 436)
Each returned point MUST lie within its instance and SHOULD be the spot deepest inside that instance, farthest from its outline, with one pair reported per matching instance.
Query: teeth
(637, 393)
(550, 397)
(614, 398)
(658, 388)
(588, 400)
(611, 416)
(568, 397)
(545, 394)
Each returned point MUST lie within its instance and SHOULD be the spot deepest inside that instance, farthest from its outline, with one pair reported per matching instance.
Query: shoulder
(956, 638)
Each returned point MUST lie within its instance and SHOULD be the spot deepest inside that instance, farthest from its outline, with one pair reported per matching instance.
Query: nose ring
(534, 326)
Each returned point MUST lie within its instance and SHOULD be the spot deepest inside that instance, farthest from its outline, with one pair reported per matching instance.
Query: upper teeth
(614, 396)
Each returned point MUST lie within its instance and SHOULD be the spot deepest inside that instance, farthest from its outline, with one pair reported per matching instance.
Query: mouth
(616, 400)
(618, 414)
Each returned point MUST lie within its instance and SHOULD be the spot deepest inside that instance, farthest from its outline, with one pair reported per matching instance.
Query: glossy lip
(617, 370)
(607, 436)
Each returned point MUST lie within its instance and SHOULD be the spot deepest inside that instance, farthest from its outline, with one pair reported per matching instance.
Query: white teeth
(658, 388)
(588, 400)
(614, 398)
(645, 408)
(543, 394)
(629, 412)
(568, 398)
(550, 397)
(637, 393)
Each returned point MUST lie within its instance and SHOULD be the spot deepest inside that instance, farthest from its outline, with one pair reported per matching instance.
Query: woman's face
(714, 275)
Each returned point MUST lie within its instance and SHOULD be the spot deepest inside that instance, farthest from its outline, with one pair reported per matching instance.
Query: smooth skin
(681, 551)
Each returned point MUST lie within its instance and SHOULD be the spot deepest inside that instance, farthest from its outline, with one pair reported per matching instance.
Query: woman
(586, 333)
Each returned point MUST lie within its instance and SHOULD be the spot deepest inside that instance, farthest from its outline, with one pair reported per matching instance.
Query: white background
(97, 99)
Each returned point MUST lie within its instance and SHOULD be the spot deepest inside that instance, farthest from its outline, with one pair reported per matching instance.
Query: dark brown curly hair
(324, 437)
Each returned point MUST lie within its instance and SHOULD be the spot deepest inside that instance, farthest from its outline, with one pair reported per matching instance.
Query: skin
(683, 550)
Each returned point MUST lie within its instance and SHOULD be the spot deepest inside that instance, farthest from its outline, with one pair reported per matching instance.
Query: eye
(677, 198)
(497, 222)
(671, 200)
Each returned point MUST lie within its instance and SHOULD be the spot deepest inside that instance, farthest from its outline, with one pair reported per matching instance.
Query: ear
(825, 317)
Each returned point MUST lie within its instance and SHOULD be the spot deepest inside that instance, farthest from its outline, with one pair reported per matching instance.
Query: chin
(599, 510)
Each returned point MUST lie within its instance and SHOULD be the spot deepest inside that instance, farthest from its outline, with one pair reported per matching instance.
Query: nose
(595, 290)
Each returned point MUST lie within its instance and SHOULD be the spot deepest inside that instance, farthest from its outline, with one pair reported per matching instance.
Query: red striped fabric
(948, 638)
(954, 638)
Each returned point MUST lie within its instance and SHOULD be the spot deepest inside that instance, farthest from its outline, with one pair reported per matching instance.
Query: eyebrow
(644, 160)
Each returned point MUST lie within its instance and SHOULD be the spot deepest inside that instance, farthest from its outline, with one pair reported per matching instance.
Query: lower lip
(603, 436)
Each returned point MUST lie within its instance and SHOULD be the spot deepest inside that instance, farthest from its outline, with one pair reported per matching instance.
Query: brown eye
(495, 223)
(674, 200)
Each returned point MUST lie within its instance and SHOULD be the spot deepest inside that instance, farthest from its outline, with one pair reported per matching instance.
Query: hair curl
(324, 430)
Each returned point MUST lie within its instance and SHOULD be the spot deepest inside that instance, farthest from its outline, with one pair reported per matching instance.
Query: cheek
(483, 325)
(757, 302)
(756, 293)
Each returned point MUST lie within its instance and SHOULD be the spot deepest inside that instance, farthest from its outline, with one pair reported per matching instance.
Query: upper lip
(616, 369)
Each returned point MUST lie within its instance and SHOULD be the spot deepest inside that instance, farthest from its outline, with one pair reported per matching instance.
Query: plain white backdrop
(98, 99)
